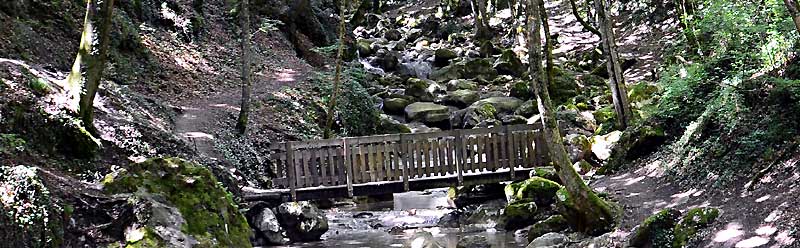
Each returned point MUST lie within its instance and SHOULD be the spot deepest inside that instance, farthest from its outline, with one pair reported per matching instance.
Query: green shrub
(356, 113)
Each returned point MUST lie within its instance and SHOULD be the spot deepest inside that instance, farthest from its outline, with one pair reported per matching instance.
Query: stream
(394, 224)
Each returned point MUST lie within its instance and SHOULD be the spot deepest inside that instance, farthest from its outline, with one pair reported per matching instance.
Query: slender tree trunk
(792, 6)
(684, 10)
(619, 93)
(244, 112)
(548, 43)
(580, 19)
(87, 71)
(595, 215)
(337, 79)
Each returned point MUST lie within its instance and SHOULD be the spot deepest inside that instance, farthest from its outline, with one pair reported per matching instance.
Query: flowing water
(371, 225)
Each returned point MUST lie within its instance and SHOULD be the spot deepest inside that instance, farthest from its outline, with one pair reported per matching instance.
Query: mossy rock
(501, 103)
(555, 223)
(209, 211)
(442, 56)
(395, 105)
(634, 143)
(419, 89)
(536, 189)
(528, 109)
(462, 84)
(521, 90)
(509, 64)
(581, 220)
(518, 215)
(657, 230)
(563, 86)
(479, 69)
(546, 172)
(692, 221)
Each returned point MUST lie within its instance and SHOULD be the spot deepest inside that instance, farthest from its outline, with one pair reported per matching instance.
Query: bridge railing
(404, 157)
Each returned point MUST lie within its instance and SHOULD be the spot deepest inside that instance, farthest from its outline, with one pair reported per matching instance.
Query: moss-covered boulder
(364, 47)
(579, 219)
(518, 215)
(502, 104)
(395, 105)
(462, 84)
(461, 98)
(447, 73)
(536, 189)
(546, 172)
(691, 223)
(29, 217)
(479, 69)
(442, 56)
(521, 90)
(172, 190)
(420, 89)
(634, 143)
(427, 112)
(656, 230)
(528, 109)
(509, 64)
(563, 86)
(389, 125)
(475, 114)
(555, 223)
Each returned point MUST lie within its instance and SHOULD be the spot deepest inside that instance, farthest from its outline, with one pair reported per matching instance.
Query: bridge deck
(395, 163)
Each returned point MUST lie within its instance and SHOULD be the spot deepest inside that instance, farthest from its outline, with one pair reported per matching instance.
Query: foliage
(356, 113)
(40, 86)
(29, 217)
(11, 143)
(269, 25)
(726, 110)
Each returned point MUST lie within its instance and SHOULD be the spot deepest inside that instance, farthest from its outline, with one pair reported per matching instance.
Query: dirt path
(764, 217)
(202, 118)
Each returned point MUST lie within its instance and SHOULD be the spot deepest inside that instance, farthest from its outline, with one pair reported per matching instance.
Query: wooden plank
(496, 151)
(291, 176)
(315, 166)
(447, 145)
(391, 161)
(418, 159)
(428, 157)
(380, 171)
(460, 156)
(404, 161)
(327, 165)
(529, 140)
(356, 163)
(443, 157)
(306, 168)
(510, 153)
(348, 163)
(370, 163)
(471, 153)
(481, 153)
(435, 165)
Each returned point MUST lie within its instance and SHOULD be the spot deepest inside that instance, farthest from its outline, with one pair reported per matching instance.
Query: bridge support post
(510, 151)
(460, 156)
(404, 161)
(348, 163)
(292, 177)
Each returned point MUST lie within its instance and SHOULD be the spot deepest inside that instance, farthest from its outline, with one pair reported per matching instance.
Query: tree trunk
(617, 82)
(327, 134)
(595, 215)
(792, 6)
(684, 10)
(548, 43)
(481, 21)
(580, 19)
(244, 112)
(87, 71)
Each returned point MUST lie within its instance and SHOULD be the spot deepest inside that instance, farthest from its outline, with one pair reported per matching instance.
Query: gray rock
(447, 73)
(501, 104)
(461, 98)
(555, 223)
(473, 242)
(423, 240)
(302, 220)
(267, 226)
(528, 109)
(389, 125)
(427, 112)
(550, 240)
(443, 56)
(479, 68)
(513, 120)
(393, 35)
(416, 69)
(395, 105)
(509, 64)
(462, 84)
(422, 89)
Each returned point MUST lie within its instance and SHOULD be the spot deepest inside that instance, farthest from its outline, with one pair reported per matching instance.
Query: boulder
(393, 35)
(518, 215)
(475, 194)
(536, 189)
(656, 231)
(487, 213)
(501, 104)
(268, 228)
(423, 240)
(179, 203)
(462, 84)
(527, 109)
(30, 216)
(443, 56)
(509, 64)
(302, 221)
(691, 223)
(550, 240)
(420, 89)
(395, 105)
(364, 48)
(447, 73)
(513, 120)
(386, 60)
(521, 89)
(389, 125)
(427, 112)
(473, 241)
(475, 114)
(416, 69)
(555, 223)
(479, 69)
(461, 98)
(546, 172)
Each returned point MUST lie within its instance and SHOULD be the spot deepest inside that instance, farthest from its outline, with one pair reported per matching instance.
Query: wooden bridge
(360, 166)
